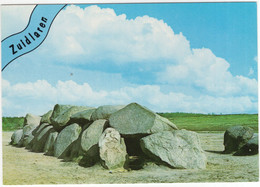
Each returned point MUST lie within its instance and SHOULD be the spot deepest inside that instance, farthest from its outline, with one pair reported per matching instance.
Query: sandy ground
(21, 166)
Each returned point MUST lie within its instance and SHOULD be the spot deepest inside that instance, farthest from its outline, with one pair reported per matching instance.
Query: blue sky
(177, 57)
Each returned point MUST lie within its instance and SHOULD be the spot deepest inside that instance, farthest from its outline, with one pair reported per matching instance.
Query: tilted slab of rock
(46, 117)
(136, 119)
(236, 137)
(31, 119)
(112, 150)
(65, 138)
(27, 130)
(104, 112)
(16, 137)
(40, 138)
(178, 149)
(49, 144)
(83, 117)
(61, 115)
(90, 137)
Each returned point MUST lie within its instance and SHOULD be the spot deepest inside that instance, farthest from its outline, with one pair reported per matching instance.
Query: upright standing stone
(65, 138)
(49, 145)
(135, 119)
(41, 138)
(16, 137)
(31, 119)
(46, 117)
(178, 149)
(112, 150)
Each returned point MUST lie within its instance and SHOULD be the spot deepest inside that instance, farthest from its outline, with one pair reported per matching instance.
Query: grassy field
(194, 122)
(210, 122)
(12, 123)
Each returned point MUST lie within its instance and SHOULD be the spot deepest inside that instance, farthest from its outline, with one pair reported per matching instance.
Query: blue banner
(32, 36)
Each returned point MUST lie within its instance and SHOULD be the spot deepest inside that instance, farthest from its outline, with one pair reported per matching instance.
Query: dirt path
(21, 166)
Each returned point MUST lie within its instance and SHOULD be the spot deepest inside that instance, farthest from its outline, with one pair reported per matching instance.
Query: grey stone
(46, 117)
(83, 117)
(40, 138)
(135, 119)
(250, 148)
(112, 150)
(27, 130)
(104, 112)
(177, 149)
(61, 115)
(49, 144)
(236, 137)
(31, 119)
(90, 138)
(27, 141)
(65, 138)
(16, 137)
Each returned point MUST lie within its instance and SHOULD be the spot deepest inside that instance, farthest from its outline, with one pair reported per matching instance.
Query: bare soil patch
(21, 166)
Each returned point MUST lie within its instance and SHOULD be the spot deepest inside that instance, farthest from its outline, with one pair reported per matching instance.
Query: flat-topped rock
(135, 119)
(61, 115)
(104, 112)
(83, 117)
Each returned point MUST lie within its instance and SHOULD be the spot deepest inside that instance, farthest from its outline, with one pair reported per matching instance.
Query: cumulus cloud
(40, 96)
(96, 34)
(208, 73)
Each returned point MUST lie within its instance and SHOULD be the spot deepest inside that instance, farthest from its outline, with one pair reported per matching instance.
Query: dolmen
(117, 137)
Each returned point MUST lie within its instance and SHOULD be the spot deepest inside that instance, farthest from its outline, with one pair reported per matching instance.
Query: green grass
(189, 121)
(211, 122)
(12, 123)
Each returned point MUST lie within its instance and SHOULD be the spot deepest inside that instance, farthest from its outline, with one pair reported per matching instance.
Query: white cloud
(208, 73)
(22, 98)
(91, 35)
(18, 16)
(94, 34)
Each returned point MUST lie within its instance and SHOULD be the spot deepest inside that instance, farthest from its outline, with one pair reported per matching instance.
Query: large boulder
(65, 138)
(90, 138)
(82, 118)
(250, 148)
(112, 150)
(31, 119)
(177, 149)
(135, 119)
(27, 131)
(16, 137)
(61, 115)
(236, 137)
(49, 144)
(28, 143)
(40, 138)
(46, 117)
(104, 112)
